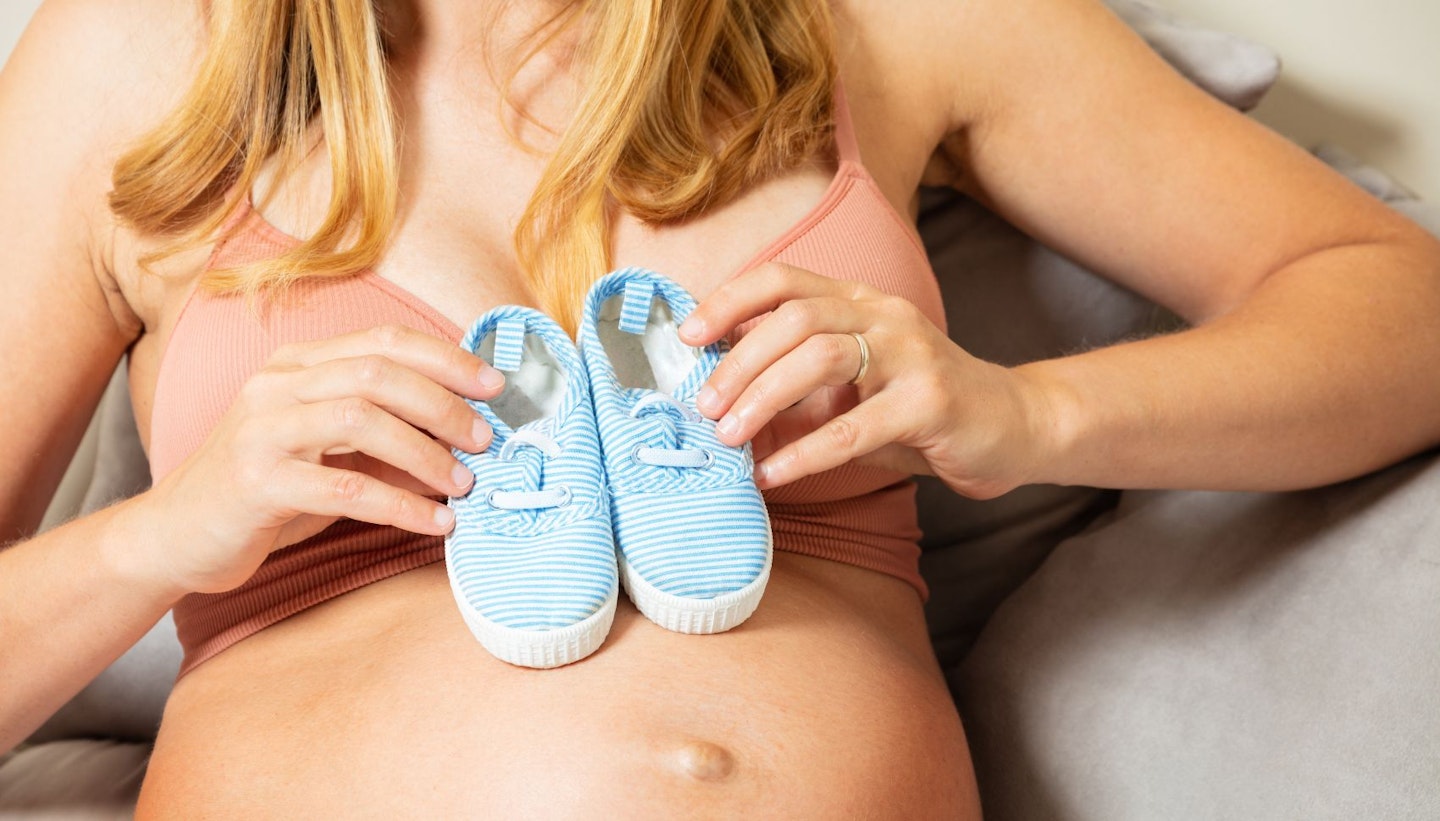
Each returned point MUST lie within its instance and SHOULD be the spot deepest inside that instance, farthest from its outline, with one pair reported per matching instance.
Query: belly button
(704, 761)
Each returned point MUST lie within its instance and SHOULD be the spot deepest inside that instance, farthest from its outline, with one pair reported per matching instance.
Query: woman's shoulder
(959, 76)
(126, 58)
(105, 70)
(84, 82)
(907, 50)
(895, 109)
(955, 56)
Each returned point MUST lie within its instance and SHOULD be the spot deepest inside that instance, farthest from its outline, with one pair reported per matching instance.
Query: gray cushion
(72, 780)
(1007, 300)
(1222, 655)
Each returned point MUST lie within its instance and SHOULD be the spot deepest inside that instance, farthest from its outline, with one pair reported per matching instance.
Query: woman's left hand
(923, 405)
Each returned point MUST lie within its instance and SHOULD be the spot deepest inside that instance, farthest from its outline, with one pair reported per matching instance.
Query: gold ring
(864, 359)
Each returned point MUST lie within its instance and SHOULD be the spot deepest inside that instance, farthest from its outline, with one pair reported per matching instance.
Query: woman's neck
(415, 29)
(443, 51)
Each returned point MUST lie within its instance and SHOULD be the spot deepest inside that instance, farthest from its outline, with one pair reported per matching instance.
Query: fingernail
(708, 400)
(692, 327)
(762, 473)
(480, 430)
(729, 425)
(491, 379)
(461, 476)
(444, 516)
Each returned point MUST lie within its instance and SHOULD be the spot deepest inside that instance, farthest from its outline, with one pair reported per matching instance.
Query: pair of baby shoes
(601, 471)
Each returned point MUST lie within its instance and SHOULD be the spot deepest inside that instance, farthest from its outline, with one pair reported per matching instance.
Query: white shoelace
(670, 457)
(529, 499)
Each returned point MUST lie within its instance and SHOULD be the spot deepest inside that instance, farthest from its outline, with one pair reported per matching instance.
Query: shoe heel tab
(635, 311)
(509, 344)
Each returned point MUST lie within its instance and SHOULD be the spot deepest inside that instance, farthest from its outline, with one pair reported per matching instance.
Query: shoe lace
(529, 499)
(658, 405)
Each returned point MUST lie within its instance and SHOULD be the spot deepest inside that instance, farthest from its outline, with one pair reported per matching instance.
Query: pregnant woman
(284, 212)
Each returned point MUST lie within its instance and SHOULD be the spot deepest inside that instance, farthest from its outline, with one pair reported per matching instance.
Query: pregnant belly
(827, 703)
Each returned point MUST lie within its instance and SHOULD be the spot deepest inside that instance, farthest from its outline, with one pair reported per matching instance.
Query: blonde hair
(687, 103)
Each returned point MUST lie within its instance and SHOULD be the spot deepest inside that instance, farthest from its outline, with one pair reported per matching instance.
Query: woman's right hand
(327, 429)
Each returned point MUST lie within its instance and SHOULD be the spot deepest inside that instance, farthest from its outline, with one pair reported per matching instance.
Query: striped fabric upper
(532, 547)
(687, 515)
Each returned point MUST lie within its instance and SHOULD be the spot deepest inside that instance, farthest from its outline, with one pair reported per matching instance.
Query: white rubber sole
(696, 616)
(540, 649)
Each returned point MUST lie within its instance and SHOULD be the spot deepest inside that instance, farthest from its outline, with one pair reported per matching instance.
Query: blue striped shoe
(531, 559)
(694, 538)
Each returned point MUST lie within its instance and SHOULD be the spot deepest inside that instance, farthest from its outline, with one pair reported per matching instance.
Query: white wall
(1363, 74)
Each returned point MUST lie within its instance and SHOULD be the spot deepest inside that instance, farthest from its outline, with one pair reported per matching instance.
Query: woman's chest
(453, 251)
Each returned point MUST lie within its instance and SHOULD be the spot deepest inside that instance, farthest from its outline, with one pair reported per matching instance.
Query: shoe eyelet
(490, 498)
(709, 459)
(635, 455)
(567, 499)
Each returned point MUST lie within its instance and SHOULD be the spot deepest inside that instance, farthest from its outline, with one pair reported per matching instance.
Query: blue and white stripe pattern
(532, 559)
(692, 530)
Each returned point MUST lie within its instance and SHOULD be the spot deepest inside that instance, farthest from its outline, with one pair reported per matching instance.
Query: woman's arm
(1315, 354)
(67, 609)
(71, 601)
(1316, 351)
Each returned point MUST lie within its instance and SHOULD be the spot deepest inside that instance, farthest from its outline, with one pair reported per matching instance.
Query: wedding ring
(864, 359)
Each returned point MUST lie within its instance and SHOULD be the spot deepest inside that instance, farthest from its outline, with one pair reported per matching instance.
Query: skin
(1316, 337)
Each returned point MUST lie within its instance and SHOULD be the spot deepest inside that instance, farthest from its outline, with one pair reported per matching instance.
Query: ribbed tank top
(856, 515)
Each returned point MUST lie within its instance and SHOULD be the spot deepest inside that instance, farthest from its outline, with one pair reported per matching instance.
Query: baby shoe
(531, 559)
(691, 527)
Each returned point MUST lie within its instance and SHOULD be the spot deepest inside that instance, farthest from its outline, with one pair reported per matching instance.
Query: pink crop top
(860, 516)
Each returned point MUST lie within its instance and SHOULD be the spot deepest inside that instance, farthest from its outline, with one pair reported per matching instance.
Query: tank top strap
(845, 142)
(242, 208)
